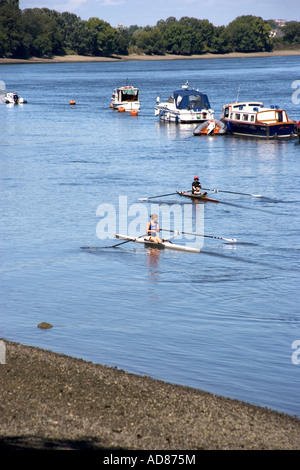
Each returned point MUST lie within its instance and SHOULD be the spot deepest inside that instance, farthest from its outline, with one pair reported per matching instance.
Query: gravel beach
(52, 401)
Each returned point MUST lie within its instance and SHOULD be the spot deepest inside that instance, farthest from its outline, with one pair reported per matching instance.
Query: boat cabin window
(267, 116)
(245, 117)
(226, 112)
(237, 116)
(252, 118)
(195, 101)
(129, 94)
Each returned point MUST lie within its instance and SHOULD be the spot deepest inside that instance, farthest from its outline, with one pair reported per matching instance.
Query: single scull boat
(164, 244)
(202, 197)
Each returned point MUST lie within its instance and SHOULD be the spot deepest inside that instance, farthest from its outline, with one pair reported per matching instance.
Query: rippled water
(223, 321)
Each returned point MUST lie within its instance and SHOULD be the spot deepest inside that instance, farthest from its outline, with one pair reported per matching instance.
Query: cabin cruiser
(252, 118)
(125, 98)
(184, 106)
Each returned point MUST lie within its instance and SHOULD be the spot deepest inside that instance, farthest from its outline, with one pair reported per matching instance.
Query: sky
(148, 12)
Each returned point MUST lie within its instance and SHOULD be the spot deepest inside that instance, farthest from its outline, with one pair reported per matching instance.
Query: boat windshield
(130, 94)
(191, 100)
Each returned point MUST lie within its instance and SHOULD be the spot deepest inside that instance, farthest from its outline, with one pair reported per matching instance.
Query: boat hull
(163, 245)
(128, 106)
(189, 117)
(266, 131)
(200, 197)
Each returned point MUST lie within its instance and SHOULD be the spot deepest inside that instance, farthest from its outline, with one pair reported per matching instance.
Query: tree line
(42, 32)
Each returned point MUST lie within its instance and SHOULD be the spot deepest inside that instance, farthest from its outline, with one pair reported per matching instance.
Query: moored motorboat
(184, 106)
(126, 98)
(211, 127)
(252, 118)
(10, 97)
(203, 197)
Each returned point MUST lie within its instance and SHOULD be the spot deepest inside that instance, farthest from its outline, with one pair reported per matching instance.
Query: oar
(232, 192)
(200, 235)
(126, 241)
(155, 197)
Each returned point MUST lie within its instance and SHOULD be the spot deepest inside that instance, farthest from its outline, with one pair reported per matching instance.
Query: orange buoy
(134, 112)
(121, 109)
(72, 102)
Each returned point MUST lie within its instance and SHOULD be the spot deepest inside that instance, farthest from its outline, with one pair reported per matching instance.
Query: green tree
(220, 41)
(249, 34)
(150, 40)
(11, 33)
(42, 33)
(291, 32)
(109, 40)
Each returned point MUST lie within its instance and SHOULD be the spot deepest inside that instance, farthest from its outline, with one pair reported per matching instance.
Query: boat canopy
(129, 91)
(190, 99)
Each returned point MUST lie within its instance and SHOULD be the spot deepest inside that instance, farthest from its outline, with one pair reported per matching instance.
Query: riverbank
(144, 57)
(51, 401)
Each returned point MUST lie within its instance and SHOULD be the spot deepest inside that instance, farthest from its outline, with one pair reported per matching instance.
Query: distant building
(276, 32)
(280, 23)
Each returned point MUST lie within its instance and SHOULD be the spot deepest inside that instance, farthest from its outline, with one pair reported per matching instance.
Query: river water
(226, 320)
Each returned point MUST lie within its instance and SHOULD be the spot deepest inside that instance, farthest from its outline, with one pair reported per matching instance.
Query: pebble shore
(52, 401)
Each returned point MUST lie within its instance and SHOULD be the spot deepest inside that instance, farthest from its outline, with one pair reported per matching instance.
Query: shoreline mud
(144, 57)
(50, 401)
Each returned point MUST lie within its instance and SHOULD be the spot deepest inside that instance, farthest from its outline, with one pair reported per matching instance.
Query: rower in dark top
(153, 229)
(196, 186)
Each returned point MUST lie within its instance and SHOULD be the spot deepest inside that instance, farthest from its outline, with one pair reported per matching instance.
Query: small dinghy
(211, 127)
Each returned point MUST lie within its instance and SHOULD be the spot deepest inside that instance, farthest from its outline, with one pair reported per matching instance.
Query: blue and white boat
(252, 118)
(184, 106)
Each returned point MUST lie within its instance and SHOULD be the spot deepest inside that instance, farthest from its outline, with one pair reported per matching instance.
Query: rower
(196, 186)
(153, 229)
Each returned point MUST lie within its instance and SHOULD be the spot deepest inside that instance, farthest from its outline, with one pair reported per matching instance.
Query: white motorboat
(126, 98)
(10, 97)
(13, 98)
(184, 106)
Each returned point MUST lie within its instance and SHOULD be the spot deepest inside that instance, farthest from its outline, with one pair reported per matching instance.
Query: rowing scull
(164, 244)
(202, 197)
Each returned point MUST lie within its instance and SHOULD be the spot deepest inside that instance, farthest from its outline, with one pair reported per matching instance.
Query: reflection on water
(152, 260)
